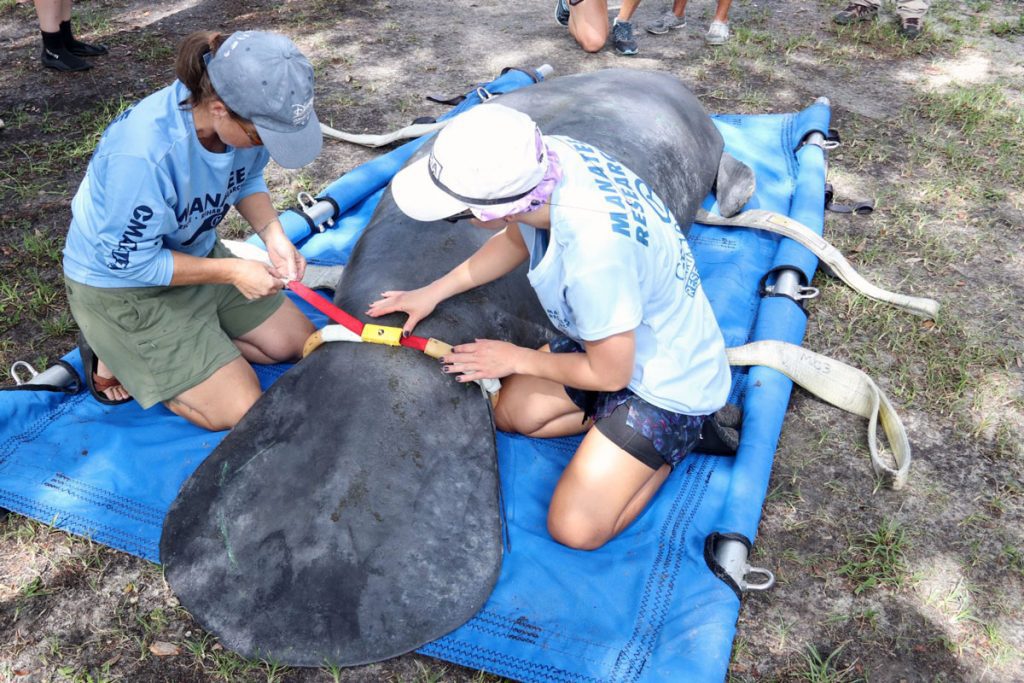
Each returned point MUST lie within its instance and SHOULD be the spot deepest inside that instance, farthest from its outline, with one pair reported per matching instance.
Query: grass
(877, 559)
(821, 668)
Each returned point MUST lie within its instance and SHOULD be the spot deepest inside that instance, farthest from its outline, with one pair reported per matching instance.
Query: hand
(255, 280)
(289, 264)
(483, 359)
(418, 303)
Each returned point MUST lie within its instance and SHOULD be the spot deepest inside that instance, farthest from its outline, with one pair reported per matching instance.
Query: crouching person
(166, 315)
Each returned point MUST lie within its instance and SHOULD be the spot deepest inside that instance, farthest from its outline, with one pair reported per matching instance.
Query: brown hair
(190, 65)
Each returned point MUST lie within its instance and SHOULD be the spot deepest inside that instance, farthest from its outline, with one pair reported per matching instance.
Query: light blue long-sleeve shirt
(152, 188)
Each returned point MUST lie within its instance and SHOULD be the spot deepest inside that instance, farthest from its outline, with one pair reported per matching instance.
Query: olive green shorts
(161, 341)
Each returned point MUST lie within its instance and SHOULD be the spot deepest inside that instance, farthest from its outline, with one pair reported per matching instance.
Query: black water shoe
(77, 47)
(62, 60)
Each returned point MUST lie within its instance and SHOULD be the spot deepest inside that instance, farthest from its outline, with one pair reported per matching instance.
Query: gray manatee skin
(353, 514)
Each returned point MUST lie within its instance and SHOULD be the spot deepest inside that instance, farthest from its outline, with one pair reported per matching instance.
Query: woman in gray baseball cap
(156, 295)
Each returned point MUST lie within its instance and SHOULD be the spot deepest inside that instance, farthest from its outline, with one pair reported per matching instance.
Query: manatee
(354, 514)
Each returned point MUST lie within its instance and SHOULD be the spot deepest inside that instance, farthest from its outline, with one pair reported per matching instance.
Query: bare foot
(114, 393)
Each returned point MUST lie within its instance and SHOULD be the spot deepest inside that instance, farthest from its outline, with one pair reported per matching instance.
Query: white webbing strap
(826, 253)
(369, 140)
(315, 277)
(843, 386)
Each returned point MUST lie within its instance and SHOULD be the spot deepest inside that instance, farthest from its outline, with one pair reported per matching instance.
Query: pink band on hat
(535, 199)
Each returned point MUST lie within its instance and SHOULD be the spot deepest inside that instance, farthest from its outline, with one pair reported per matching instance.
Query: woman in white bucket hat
(639, 362)
(174, 319)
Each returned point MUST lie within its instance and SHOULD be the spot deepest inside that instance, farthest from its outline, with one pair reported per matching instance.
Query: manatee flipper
(734, 185)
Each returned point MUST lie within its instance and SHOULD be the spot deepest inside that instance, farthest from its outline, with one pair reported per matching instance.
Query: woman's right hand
(255, 280)
(418, 303)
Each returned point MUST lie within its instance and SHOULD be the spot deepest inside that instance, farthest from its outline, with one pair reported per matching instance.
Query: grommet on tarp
(726, 556)
(789, 282)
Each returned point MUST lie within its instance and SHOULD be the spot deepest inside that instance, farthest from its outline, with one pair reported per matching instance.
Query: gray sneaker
(718, 33)
(622, 38)
(665, 24)
(562, 12)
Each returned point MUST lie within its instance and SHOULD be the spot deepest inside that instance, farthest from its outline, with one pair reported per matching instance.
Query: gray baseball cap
(264, 78)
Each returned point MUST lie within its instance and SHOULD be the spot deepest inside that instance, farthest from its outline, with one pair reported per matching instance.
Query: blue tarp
(646, 607)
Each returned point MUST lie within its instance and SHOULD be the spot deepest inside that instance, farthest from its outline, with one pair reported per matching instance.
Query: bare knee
(286, 345)
(576, 531)
(505, 418)
(591, 33)
(220, 401)
(216, 417)
(592, 41)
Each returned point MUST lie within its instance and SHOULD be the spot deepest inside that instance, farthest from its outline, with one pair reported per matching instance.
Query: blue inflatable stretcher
(655, 604)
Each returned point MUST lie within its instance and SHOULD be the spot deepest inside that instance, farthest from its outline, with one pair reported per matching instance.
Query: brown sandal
(97, 385)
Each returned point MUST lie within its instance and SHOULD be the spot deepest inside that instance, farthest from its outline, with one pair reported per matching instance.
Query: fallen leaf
(928, 324)
(217, 647)
(164, 649)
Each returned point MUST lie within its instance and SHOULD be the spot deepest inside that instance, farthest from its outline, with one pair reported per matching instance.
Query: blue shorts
(654, 436)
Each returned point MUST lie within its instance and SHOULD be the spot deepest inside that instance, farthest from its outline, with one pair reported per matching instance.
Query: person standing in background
(61, 51)
(718, 31)
(910, 12)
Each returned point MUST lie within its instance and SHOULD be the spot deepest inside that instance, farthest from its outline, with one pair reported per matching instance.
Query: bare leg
(721, 11)
(588, 24)
(537, 407)
(603, 489)
(51, 13)
(626, 10)
(600, 493)
(279, 338)
(219, 401)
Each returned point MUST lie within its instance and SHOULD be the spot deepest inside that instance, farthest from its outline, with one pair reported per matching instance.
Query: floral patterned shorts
(649, 432)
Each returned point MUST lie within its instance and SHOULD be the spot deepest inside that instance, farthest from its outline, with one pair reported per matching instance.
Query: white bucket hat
(489, 156)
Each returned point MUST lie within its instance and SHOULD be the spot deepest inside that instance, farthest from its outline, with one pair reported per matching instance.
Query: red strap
(326, 307)
(339, 316)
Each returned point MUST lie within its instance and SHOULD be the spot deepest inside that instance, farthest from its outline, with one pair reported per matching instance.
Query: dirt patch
(921, 584)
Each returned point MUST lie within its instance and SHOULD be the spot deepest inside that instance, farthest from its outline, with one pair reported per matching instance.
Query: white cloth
(616, 260)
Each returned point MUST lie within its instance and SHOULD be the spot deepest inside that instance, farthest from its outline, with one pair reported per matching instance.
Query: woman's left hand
(288, 263)
(483, 359)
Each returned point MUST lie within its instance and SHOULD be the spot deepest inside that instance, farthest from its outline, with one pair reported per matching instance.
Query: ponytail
(190, 65)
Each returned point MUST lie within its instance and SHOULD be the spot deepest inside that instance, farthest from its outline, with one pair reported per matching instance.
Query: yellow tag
(379, 334)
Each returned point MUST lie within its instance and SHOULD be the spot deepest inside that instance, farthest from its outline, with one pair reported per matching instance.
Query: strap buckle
(382, 334)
